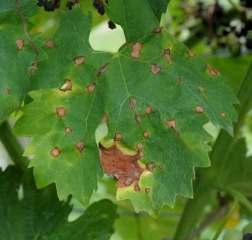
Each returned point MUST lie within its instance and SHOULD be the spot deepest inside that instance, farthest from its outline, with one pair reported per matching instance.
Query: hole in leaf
(172, 124)
(155, 68)
(61, 111)
(190, 53)
(67, 86)
(91, 87)
(199, 109)
(68, 130)
(201, 89)
(80, 146)
(223, 114)
(136, 50)
(20, 43)
(55, 152)
(147, 190)
(167, 55)
(148, 110)
(132, 104)
(50, 44)
(7, 91)
(118, 137)
(102, 69)
(79, 60)
(150, 166)
(157, 30)
(146, 134)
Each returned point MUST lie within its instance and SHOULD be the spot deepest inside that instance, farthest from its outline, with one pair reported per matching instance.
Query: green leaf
(17, 55)
(159, 7)
(40, 215)
(155, 93)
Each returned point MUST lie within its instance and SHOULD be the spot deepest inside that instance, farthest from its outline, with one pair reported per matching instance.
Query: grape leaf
(17, 55)
(40, 215)
(158, 7)
(155, 96)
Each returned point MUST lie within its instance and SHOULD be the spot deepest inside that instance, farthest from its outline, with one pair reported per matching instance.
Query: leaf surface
(40, 215)
(155, 96)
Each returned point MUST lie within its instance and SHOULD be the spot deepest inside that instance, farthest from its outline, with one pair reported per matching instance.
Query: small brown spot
(138, 118)
(68, 130)
(137, 188)
(105, 117)
(91, 87)
(223, 114)
(80, 146)
(139, 146)
(147, 190)
(79, 60)
(148, 110)
(167, 55)
(199, 109)
(141, 154)
(102, 69)
(67, 86)
(136, 50)
(212, 70)
(201, 89)
(155, 68)
(132, 104)
(20, 43)
(160, 166)
(7, 90)
(61, 111)
(118, 137)
(50, 43)
(146, 134)
(172, 124)
(55, 152)
(190, 53)
(157, 30)
(179, 80)
(150, 166)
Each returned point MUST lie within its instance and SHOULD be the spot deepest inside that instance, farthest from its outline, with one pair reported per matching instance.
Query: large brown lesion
(122, 166)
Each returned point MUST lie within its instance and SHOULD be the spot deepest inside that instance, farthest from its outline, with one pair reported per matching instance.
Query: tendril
(33, 68)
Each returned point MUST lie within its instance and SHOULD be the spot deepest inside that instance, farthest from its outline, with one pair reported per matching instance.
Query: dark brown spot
(146, 134)
(67, 86)
(223, 114)
(132, 104)
(79, 60)
(172, 124)
(150, 166)
(179, 80)
(7, 90)
(147, 190)
(102, 69)
(199, 109)
(137, 188)
(201, 89)
(105, 117)
(80, 146)
(190, 53)
(212, 70)
(50, 43)
(160, 166)
(91, 87)
(20, 43)
(118, 137)
(148, 110)
(138, 118)
(68, 130)
(61, 111)
(139, 146)
(155, 68)
(55, 152)
(167, 55)
(157, 30)
(136, 50)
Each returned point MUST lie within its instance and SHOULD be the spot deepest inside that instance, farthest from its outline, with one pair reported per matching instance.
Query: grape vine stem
(33, 68)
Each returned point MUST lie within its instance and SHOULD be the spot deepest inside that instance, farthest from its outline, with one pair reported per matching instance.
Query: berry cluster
(50, 6)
